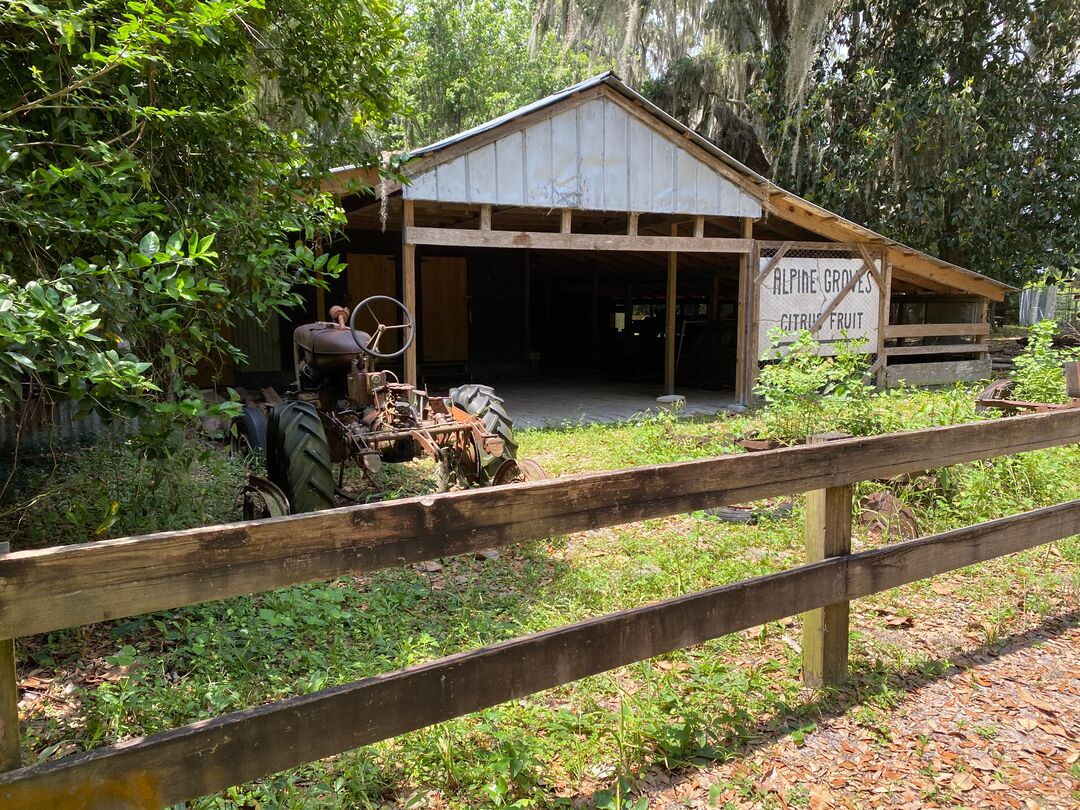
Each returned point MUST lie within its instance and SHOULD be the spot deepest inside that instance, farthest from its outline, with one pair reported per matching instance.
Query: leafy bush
(117, 488)
(1038, 376)
(214, 121)
(806, 392)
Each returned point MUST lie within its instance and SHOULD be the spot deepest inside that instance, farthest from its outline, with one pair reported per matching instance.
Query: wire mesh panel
(830, 291)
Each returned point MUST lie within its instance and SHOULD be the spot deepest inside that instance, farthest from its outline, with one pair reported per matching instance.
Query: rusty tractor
(344, 409)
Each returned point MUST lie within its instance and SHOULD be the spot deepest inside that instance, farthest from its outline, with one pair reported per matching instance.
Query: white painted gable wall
(593, 157)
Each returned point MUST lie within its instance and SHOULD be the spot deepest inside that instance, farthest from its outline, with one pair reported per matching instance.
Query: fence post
(828, 534)
(10, 749)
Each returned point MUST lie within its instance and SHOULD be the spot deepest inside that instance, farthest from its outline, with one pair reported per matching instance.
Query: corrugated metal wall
(38, 423)
(594, 157)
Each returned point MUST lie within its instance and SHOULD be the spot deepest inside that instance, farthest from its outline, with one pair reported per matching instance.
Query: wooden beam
(937, 348)
(408, 289)
(839, 297)
(10, 739)
(825, 629)
(781, 251)
(51, 589)
(567, 220)
(699, 227)
(669, 313)
(460, 237)
(742, 339)
(915, 330)
(884, 313)
(632, 223)
(173, 766)
(485, 217)
(794, 209)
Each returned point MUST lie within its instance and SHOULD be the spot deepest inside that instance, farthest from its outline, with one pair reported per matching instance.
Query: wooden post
(594, 321)
(883, 321)
(669, 329)
(485, 217)
(825, 630)
(408, 286)
(10, 750)
(743, 346)
(632, 223)
(526, 315)
(565, 223)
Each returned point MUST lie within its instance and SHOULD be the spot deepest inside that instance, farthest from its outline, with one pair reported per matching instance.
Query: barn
(591, 237)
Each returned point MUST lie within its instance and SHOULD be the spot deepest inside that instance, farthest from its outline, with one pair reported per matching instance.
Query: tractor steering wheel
(372, 346)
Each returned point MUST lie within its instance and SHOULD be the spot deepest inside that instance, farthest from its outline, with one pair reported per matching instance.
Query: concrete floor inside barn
(552, 402)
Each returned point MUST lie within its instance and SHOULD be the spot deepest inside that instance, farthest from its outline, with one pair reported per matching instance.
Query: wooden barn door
(374, 275)
(444, 322)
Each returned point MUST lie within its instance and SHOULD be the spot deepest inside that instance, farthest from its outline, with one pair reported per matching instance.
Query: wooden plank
(753, 318)
(825, 629)
(936, 330)
(208, 756)
(408, 284)
(444, 322)
(884, 310)
(10, 741)
(485, 217)
(566, 221)
(50, 589)
(939, 348)
(941, 373)
(699, 227)
(825, 313)
(741, 346)
(669, 319)
(461, 237)
(369, 275)
(781, 251)
(632, 223)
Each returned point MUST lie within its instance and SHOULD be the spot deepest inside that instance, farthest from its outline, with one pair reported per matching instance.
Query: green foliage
(807, 392)
(212, 121)
(474, 60)
(116, 488)
(952, 126)
(1038, 376)
(50, 334)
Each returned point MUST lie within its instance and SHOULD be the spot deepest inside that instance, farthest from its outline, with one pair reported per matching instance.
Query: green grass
(592, 738)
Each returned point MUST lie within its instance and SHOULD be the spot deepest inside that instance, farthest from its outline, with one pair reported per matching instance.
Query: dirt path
(995, 729)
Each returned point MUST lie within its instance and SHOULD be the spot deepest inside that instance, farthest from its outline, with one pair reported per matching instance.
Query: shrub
(806, 392)
(1038, 376)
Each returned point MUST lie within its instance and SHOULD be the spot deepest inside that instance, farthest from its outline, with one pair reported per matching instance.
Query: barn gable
(596, 156)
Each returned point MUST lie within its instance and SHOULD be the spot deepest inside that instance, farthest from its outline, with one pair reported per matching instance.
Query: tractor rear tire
(482, 402)
(248, 432)
(298, 457)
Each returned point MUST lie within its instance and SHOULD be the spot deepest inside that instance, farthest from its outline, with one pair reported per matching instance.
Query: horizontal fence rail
(60, 587)
(211, 755)
(66, 586)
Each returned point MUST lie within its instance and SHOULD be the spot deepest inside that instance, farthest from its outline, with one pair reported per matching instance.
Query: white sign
(799, 290)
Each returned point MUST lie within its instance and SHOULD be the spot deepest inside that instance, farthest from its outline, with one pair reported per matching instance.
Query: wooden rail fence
(60, 587)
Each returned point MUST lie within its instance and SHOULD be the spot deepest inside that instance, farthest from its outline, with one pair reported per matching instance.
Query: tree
(472, 62)
(161, 166)
(954, 126)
